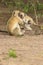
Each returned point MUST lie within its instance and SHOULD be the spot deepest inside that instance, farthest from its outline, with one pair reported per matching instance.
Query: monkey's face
(21, 15)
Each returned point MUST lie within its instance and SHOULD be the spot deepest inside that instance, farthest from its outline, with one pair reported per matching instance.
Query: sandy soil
(29, 49)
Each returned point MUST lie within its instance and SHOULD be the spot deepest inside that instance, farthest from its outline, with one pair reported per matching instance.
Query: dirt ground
(29, 49)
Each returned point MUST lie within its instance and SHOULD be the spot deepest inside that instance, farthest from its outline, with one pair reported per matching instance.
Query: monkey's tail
(4, 31)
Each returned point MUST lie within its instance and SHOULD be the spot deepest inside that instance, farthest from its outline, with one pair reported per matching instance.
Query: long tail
(3, 31)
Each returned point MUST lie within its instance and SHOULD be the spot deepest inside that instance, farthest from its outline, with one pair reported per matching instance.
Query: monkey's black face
(29, 22)
(20, 15)
(28, 25)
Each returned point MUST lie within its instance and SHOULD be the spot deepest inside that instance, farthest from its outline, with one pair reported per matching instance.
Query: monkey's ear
(13, 13)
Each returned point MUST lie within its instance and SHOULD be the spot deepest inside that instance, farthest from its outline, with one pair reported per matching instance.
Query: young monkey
(14, 26)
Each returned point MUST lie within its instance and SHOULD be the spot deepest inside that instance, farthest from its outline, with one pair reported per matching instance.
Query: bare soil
(29, 49)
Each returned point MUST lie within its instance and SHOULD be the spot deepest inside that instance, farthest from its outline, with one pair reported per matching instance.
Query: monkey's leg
(16, 30)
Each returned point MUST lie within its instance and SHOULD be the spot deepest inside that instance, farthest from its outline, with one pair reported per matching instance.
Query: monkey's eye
(20, 15)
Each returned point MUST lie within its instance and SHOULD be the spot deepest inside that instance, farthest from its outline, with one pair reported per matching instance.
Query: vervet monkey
(14, 26)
